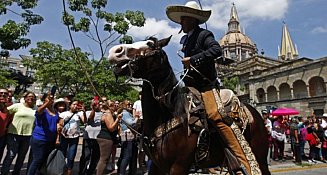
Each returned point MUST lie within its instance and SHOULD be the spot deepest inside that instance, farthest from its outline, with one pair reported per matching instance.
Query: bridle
(132, 66)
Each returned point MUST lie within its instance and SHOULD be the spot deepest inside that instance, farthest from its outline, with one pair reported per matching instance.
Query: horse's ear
(164, 42)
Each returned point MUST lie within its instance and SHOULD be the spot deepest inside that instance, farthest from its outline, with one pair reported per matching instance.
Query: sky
(262, 21)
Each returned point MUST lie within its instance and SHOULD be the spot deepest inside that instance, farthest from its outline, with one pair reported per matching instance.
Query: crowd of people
(60, 123)
(301, 133)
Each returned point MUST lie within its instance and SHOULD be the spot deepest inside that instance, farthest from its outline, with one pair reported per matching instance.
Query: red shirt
(5, 119)
(311, 139)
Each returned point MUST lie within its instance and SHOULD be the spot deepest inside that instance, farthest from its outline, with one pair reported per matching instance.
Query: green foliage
(100, 26)
(231, 83)
(5, 81)
(57, 66)
(12, 33)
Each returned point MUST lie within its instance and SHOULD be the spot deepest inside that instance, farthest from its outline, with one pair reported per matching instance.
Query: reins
(157, 97)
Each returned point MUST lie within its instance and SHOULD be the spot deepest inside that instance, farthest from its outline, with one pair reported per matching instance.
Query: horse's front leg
(179, 169)
(155, 170)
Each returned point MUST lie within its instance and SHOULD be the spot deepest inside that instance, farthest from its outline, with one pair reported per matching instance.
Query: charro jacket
(203, 49)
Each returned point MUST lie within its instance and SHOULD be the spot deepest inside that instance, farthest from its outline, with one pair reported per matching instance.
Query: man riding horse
(200, 50)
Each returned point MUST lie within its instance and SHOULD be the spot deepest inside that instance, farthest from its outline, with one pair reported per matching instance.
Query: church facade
(267, 83)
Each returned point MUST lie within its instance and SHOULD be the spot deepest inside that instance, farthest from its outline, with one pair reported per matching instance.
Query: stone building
(266, 83)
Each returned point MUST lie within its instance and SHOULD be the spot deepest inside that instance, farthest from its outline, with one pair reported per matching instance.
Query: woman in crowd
(70, 123)
(45, 133)
(5, 119)
(105, 138)
(128, 154)
(90, 148)
(279, 137)
(19, 133)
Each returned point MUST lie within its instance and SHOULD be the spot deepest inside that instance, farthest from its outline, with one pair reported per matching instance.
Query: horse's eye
(150, 44)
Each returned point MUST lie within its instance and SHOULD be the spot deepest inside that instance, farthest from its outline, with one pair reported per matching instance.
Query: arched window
(317, 87)
(299, 89)
(271, 94)
(261, 95)
(284, 92)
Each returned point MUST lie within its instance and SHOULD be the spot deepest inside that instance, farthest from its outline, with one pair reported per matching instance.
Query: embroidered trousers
(225, 131)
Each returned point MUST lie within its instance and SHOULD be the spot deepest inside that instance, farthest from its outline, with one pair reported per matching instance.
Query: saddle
(232, 106)
(198, 121)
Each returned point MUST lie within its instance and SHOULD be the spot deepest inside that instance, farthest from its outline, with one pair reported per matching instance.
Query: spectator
(5, 119)
(60, 105)
(70, 123)
(319, 132)
(44, 135)
(105, 137)
(115, 137)
(11, 99)
(137, 113)
(19, 133)
(313, 143)
(128, 154)
(268, 126)
(279, 139)
(90, 148)
(295, 141)
(324, 141)
(303, 134)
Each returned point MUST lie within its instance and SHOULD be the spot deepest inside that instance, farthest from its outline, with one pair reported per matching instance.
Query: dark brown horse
(173, 151)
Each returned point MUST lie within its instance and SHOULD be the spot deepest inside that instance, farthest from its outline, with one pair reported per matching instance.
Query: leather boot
(225, 131)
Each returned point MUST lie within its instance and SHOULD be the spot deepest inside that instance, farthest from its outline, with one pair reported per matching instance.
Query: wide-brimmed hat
(60, 100)
(190, 9)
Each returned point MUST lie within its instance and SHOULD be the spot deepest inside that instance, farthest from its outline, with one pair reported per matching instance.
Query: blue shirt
(45, 126)
(128, 118)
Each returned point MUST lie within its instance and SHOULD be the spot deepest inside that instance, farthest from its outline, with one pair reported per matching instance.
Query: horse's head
(140, 58)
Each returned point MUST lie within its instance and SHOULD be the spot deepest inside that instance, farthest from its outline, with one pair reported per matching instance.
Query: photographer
(45, 132)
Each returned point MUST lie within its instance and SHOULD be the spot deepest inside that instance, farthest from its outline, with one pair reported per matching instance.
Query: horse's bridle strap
(168, 126)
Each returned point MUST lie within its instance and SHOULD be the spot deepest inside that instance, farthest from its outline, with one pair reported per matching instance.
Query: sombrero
(190, 9)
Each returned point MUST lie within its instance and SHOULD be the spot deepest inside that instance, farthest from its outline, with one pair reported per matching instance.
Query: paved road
(277, 168)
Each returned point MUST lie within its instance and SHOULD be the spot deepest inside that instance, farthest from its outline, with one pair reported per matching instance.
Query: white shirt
(268, 126)
(72, 128)
(137, 106)
(323, 123)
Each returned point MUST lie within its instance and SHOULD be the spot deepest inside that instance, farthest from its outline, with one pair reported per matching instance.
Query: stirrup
(203, 143)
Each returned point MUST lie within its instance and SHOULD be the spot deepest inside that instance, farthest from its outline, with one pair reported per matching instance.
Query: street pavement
(287, 167)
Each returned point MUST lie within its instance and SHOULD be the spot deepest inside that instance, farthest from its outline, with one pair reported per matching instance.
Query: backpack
(55, 164)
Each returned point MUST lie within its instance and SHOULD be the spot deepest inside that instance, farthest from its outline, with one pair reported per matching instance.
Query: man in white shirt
(137, 113)
(137, 107)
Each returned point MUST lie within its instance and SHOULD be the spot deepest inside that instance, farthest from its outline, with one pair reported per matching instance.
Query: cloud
(320, 29)
(248, 11)
(158, 28)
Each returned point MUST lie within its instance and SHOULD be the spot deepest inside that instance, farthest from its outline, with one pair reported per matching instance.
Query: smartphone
(79, 105)
(96, 99)
(53, 90)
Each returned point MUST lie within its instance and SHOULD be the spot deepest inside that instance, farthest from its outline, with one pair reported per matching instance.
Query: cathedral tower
(235, 44)
(287, 50)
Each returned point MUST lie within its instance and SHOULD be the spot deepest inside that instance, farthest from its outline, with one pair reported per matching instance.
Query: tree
(99, 26)
(4, 73)
(57, 66)
(12, 33)
(104, 29)
(231, 83)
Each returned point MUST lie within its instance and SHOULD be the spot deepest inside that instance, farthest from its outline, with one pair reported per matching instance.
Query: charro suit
(202, 48)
